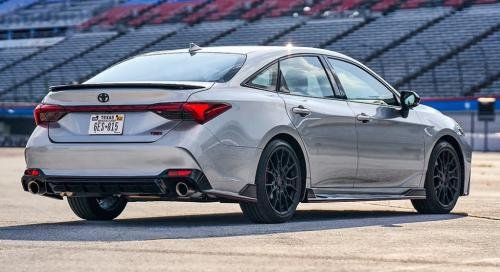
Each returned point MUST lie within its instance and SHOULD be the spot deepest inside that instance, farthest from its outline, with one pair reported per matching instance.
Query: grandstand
(440, 48)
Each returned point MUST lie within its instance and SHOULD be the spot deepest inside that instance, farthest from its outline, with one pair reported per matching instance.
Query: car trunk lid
(131, 106)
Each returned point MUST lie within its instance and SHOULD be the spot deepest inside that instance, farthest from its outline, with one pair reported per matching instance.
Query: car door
(326, 124)
(390, 145)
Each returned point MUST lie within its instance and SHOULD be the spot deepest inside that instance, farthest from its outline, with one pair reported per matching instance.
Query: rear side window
(266, 79)
(206, 67)
(305, 76)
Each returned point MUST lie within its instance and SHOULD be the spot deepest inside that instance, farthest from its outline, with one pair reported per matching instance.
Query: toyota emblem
(103, 97)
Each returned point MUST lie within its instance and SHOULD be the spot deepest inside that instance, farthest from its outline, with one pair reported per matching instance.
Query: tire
(93, 208)
(279, 184)
(443, 181)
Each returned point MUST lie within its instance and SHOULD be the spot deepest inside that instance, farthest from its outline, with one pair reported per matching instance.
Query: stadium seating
(90, 63)
(385, 30)
(315, 33)
(52, 13)
(201, 34)
(11, 5)
(11, 55)
(49, 58)
(428, 46)
(461, 72)
(260, 32)
(402, 40)
(165, 12)
(494, 88)
(115, 15)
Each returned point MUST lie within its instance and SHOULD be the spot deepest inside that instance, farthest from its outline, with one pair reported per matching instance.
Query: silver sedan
(265, 127)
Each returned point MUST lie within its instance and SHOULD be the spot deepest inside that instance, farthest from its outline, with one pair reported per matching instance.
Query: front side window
(206, 67)
(305, 76)
(266, 79)
(359, 85)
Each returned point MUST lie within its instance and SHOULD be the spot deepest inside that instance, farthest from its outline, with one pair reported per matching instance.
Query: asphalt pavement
(42, 234)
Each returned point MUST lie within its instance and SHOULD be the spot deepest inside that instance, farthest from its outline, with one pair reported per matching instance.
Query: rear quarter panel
(255, 117)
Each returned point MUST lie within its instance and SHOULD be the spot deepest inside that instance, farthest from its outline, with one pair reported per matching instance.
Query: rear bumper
(160, 187)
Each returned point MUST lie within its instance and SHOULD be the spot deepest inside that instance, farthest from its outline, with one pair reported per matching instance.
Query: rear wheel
(279, 182)
(97, 208)
(443, 181)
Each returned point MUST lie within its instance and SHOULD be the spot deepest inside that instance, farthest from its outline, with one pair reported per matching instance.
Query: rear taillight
(204, 112)
(48, 113)
(176, 173)
(200, 112)
(32, 172)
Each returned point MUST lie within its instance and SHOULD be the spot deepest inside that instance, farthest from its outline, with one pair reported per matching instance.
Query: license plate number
(106, 124)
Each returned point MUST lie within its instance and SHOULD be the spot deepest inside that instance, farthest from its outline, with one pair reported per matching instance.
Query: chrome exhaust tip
(34, 187)
(183, 190)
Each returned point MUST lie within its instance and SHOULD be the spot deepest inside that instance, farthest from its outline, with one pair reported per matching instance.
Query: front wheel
(97, 208)
(442, 182)
(279, 183)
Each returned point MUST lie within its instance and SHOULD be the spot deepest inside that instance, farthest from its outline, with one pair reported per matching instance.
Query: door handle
(300, 110)
(364, 118)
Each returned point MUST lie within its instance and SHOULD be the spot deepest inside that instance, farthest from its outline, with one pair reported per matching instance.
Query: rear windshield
(207, 67)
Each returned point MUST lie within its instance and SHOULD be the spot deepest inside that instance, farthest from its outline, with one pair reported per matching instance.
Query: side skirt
(347, 197)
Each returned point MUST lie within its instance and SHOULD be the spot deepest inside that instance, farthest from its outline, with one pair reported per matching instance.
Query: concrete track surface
(41, 234)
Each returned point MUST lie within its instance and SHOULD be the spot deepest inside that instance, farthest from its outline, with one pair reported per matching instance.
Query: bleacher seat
(427, 46)
(52, 13)
(455, 76)
(50, 58)
(494, 88)
(92, 62)
(259, 32)
(200, 34)
(316, 32)
(165, 12)
(447, 47)
(383, 30)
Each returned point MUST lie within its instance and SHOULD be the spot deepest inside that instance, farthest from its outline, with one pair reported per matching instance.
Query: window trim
(246, 82)
(330, 75)
(375, 76)
(326, 69)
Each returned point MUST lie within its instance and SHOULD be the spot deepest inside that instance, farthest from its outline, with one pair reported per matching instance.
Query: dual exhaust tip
(184, 190)
(36, 187)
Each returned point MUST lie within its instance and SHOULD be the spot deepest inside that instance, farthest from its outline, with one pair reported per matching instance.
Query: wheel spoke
(282, 179)
(446, 177)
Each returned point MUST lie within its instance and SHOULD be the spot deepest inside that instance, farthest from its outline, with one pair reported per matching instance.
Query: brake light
(204, 112)
(48, 113)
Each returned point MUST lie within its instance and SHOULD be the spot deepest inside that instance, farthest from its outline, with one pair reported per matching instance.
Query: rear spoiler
(168, 86)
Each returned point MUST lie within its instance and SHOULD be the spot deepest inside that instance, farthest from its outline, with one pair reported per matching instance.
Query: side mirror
(409, 99)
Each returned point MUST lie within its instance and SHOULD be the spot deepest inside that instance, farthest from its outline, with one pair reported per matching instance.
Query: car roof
(256, 51)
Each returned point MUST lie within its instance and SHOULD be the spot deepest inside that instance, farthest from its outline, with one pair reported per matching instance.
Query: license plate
(106, 124)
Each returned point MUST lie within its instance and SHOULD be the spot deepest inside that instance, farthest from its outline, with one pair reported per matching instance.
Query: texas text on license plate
(106, 124)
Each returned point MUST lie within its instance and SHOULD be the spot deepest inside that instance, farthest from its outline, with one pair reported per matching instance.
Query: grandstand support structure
(475, 39)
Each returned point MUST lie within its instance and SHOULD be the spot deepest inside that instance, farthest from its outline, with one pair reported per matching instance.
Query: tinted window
(360, 85)
(305, 76)
(217, 67)
(266, 79)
